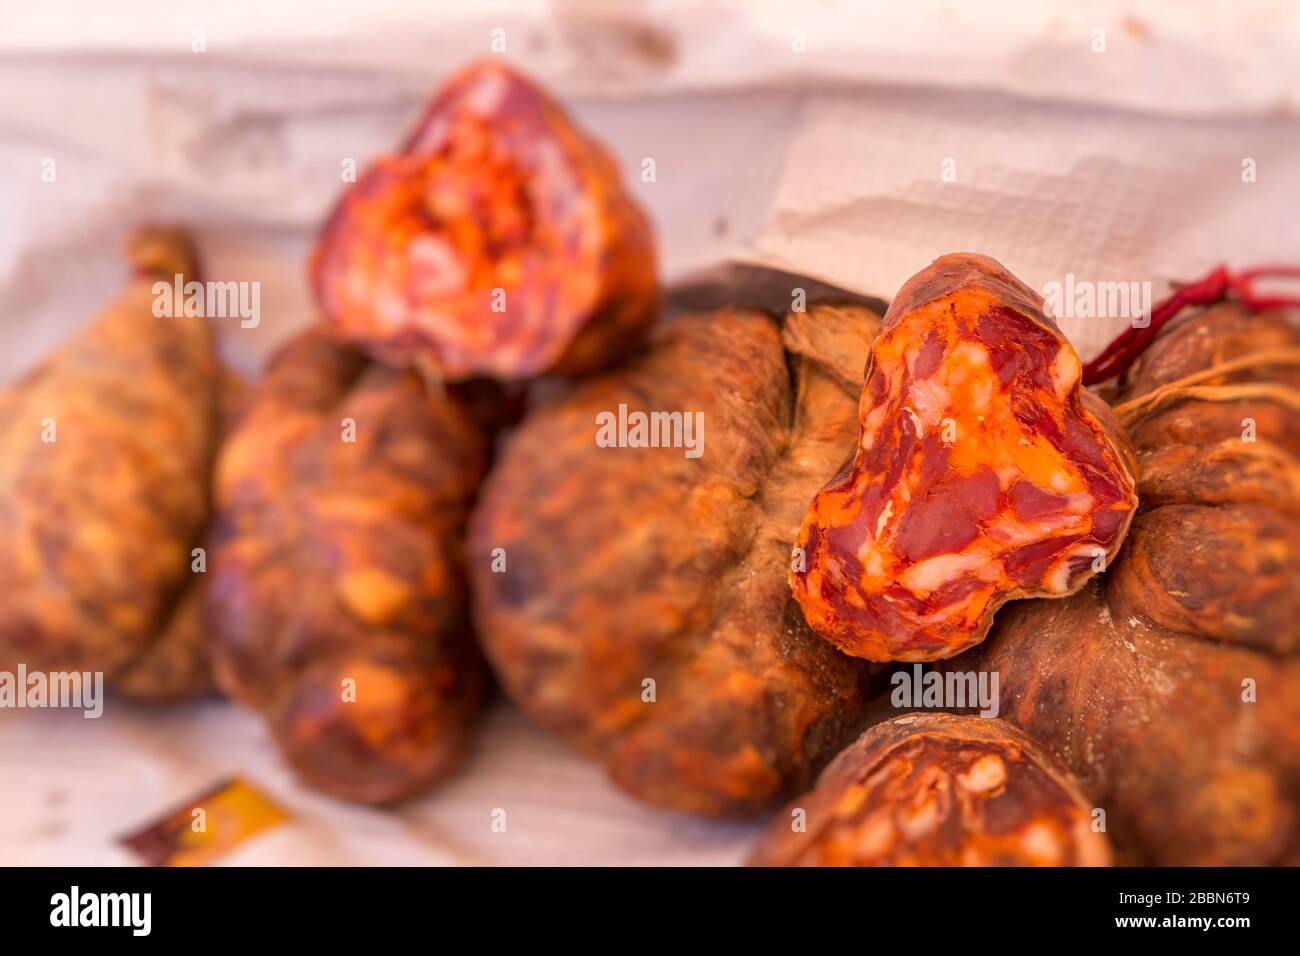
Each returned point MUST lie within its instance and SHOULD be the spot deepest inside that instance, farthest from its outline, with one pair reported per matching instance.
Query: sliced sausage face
(939, 790)
(498, 241)
(983, 473)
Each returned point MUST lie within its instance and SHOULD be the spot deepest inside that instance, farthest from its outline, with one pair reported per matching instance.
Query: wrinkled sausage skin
(178, 666)
(100, 512)
(1171, 686)
(499, 241)
(938, 790)
(984, 473)
(628, 564)
(338, 601)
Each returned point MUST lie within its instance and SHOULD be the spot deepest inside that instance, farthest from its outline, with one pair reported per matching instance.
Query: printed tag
(208, 826)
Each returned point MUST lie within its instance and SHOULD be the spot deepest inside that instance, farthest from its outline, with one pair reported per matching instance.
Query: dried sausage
(105, 460)
(337, 602)
(498, 241)
(634, 599)
(984, 473)
(938, 790)
(1171, 685)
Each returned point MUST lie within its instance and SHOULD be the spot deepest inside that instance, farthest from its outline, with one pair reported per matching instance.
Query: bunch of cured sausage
(416, 494)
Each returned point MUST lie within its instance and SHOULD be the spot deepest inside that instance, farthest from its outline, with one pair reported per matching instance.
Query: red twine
(1117, 357)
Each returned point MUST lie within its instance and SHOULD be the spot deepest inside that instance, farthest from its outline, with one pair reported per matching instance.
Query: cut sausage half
(939, 790)
(498, 241)
(984, 472)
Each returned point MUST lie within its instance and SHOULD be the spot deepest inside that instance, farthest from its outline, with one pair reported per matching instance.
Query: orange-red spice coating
(597, 569)
(106, 450)
(984, 473)
(498, 241)
(938, 790)
(338, 598)
(1171, 685)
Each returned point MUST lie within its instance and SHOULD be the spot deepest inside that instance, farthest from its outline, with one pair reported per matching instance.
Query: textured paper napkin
(877, 183)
